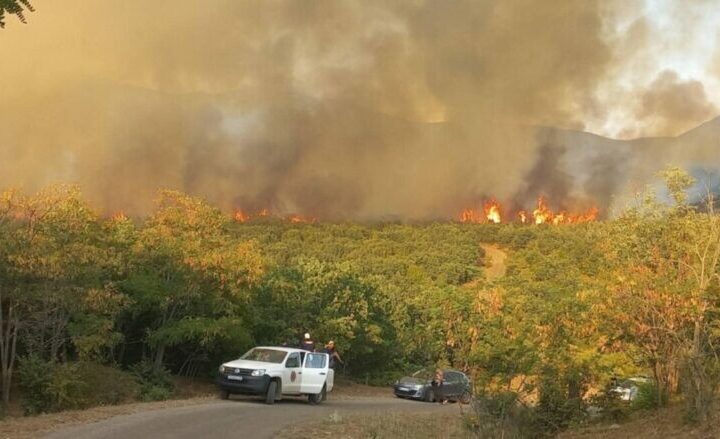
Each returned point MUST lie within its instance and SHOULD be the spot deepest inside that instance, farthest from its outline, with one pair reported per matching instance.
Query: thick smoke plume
(353, 109)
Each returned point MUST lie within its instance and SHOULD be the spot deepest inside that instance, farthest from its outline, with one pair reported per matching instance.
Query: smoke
(356, 109)
(671, 106)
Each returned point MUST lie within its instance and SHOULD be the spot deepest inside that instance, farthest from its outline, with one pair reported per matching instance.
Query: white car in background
(274, 372)
(627, 389)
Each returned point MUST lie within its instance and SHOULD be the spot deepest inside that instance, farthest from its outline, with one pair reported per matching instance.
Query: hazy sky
(677, 35)
(354, 108)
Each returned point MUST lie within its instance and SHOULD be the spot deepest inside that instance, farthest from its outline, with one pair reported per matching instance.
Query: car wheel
(224, 394)
(271, 391)
(429, 396)
(465, 398)
(316, 398)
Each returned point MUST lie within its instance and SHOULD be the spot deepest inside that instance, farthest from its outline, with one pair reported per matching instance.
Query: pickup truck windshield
(265, 355)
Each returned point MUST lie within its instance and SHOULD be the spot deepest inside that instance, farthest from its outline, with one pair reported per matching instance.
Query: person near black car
(437, 385)
(331, 350)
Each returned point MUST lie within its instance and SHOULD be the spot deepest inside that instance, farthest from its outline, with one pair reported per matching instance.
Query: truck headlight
(258, 372)
(221, 369)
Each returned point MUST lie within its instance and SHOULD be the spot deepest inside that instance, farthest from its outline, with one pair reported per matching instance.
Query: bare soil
(495, 265)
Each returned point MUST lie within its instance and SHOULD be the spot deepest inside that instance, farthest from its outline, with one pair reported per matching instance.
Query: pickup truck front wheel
(271, 391)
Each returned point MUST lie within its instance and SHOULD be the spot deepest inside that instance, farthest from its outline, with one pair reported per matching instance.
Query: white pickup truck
(274, 372)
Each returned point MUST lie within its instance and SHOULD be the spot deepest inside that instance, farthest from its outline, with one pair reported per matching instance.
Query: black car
(456, 386)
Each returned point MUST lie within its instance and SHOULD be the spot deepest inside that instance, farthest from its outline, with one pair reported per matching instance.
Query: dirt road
(235, 418)
(496, 261)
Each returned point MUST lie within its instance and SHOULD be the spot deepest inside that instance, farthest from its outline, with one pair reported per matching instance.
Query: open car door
(315, 373)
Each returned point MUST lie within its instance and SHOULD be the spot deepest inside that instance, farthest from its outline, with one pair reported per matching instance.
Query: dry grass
(664, 423)
(388, 426)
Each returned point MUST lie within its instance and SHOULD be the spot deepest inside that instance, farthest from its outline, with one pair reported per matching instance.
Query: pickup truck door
(292, 374)
(314, 372)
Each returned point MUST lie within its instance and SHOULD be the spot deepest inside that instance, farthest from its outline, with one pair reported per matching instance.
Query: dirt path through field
(496, 258)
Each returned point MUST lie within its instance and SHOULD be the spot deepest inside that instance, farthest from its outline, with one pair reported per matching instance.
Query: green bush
(647, 397)
(155, 385)
(35, 377)
(500, 415)
(555, 411)
(612, 408)
(49, 387)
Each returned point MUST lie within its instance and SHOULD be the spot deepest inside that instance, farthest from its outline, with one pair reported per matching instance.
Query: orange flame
(241, 216)
(492, 211)
(297, 219)
(542, 214)
(470, 216)
(119, 216)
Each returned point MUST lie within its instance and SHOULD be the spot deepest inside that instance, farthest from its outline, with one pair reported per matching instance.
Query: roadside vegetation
(180, 291)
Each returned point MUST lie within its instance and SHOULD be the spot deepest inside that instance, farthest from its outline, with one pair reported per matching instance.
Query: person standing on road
(437, 386)
(333, 353)
(307, 343)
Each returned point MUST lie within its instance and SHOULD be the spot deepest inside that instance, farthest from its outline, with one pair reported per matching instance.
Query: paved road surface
(233, 419)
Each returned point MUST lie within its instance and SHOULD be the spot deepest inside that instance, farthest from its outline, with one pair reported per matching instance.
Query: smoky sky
(336, 109)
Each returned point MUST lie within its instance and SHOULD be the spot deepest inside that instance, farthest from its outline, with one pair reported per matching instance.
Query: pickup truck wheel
(314, 399)
(271, 391)
(318, 397)
(465, 398)
(224, 394)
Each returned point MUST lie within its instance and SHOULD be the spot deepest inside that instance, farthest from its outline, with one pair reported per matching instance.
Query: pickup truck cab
(274, 372)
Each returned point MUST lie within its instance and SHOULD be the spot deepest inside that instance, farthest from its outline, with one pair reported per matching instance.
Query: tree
(14, 7)
(186, 270)
(51, 258)
(667, 288)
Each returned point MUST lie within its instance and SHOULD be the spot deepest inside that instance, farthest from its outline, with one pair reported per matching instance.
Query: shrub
(34, 378)
(49, 387)
(647, 397)
(155, 385)
(612, 408)
(500, 415)
(555, 411)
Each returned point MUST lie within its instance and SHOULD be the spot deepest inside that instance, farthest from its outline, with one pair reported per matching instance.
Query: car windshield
(264, 355)
(423, 374)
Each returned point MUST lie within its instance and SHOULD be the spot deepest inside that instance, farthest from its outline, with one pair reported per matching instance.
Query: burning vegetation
(242, 216)
(493, 213)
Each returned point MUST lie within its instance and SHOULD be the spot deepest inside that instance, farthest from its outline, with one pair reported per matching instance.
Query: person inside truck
(307, 343)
